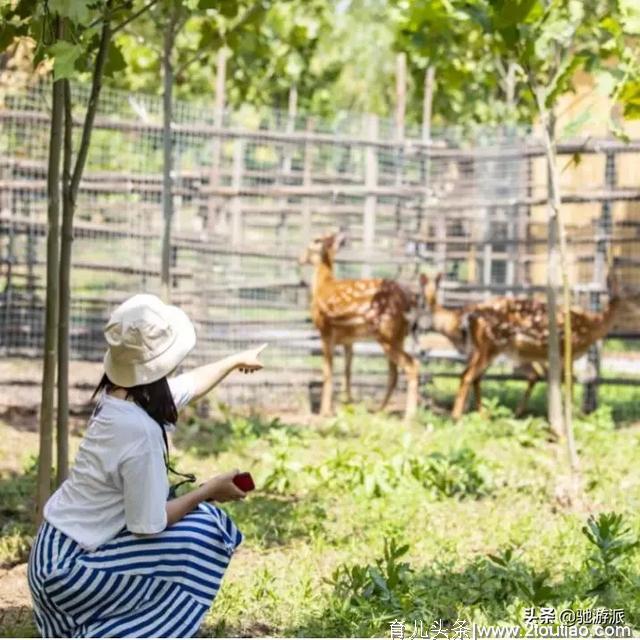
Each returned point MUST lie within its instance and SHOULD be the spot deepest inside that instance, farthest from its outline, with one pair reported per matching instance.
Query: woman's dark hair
(155, 398)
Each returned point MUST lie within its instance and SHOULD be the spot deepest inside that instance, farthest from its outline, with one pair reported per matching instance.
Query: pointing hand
(248, 361)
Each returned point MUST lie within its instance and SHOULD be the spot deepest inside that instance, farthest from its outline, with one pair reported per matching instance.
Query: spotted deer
(515, 327)
(353, 310)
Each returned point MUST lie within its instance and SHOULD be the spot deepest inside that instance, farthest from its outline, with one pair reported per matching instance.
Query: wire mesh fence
(251, 189)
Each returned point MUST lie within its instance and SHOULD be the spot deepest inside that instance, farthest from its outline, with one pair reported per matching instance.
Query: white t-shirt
(119, 477)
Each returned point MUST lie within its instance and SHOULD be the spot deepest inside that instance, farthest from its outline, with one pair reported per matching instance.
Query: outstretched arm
(208, 376)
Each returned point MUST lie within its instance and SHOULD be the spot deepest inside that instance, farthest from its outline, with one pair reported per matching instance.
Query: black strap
(188, 477)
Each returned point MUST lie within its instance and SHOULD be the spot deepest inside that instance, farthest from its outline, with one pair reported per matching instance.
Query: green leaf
(76, 10)
(210, 37)
(228, 8)
(65, 55)
(7, 33)
(631, 112)
(512, 12)
(572, 128)
(630, 100)
(25, 8)
(115, 61)
(561, 81)
(510, 35)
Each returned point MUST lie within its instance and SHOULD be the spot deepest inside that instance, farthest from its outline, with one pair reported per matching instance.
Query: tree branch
(124, 23)
(68, 138)
(97, 21)
(201, 54)
(500, 67)
(92, 106)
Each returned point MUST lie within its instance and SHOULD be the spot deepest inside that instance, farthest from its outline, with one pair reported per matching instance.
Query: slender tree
(45, 460)
(76, 36)
(177, 56)
(550, 40)
(71, 177)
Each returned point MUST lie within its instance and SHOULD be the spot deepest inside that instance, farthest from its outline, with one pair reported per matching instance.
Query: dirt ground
(20, 380)
(15, 607)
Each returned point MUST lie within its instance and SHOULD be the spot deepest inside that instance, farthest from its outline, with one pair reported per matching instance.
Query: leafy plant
(614, 542)
(517, 579)
(493, 409)
(281, 469)
(381, 580)
(527, 432)
(459, 473)
(16, 507)
(15, 543)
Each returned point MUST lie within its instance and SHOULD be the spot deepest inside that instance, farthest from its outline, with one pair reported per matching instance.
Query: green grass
(360, 519)
(624, 401)
(471, 506)
(16, 513)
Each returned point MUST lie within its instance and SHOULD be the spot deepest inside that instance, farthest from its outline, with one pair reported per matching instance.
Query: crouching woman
(114, 557)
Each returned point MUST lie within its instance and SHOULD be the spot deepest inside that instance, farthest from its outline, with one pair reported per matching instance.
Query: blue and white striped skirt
(158, 586)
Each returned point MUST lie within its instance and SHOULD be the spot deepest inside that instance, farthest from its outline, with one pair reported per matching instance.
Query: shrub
(459, 473)
(614, 542)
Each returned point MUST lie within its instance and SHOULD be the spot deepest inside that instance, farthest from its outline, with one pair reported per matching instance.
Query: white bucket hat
(147, 340)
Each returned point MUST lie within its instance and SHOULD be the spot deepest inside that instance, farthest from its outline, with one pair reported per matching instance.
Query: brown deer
(348, 311)
(515, 327)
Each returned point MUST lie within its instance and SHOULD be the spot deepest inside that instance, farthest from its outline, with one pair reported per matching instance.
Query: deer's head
(323, 249)
(429, 289)
(428, 301)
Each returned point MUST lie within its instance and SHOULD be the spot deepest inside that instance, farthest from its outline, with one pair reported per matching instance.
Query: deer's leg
(348, 359)
(524, 401)
(477, 364)
(412, 370)
(400, 358)
(327, 376)
(391, 382)
(477, 396)
(536, 373)
(532, 379)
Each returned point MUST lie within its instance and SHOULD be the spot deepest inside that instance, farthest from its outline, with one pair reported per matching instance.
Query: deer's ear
(424, 279)
(438, 279)
(340, 239)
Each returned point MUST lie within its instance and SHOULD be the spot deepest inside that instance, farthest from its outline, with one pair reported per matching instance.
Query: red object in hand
(244, 481)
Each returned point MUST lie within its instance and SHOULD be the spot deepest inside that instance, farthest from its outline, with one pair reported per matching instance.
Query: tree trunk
(167, 148)
(566, 303)
(427, 102)
(64, 294)
(45, 459)
(401, 94)
(555, 413)
(71, 185)
(558, 254)
(510, 89)
(422, 222)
